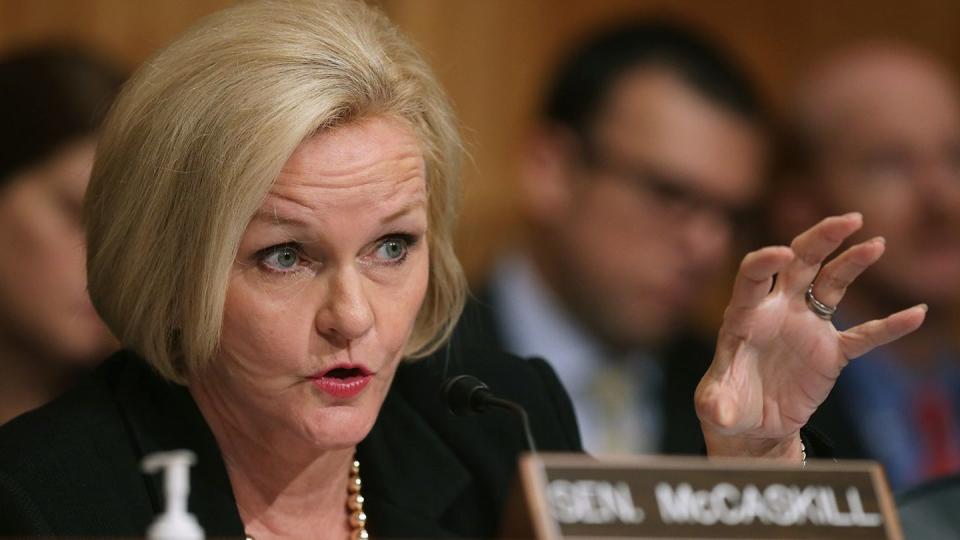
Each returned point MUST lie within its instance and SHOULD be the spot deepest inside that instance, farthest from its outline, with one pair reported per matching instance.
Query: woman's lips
(343, 381)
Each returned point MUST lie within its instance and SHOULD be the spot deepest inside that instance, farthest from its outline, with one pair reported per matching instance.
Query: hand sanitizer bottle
(175, 523)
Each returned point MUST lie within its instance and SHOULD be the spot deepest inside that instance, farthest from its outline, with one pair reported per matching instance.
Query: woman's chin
(336, 427)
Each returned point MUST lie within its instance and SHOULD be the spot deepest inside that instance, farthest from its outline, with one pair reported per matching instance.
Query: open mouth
(344, 373)
(343, 382)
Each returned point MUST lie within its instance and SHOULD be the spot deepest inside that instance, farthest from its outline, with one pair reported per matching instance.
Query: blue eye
(393, 249)
(281, 258)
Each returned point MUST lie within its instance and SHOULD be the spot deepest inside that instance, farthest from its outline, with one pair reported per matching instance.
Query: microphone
(467, 395)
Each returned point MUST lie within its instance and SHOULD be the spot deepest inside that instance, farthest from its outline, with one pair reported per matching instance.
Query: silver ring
(820, 309)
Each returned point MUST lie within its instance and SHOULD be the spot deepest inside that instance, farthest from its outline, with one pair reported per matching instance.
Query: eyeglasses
(892, 164)
(674, 195)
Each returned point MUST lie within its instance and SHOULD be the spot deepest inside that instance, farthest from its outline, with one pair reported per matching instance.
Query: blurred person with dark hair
(876, 128)
(646, 156)
(51, 102)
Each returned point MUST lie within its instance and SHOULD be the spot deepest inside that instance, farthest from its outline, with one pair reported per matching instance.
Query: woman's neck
(310, 503)
(283, 489)
(27, 382)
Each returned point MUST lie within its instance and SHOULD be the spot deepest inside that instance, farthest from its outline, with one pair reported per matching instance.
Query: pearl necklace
(357, 519)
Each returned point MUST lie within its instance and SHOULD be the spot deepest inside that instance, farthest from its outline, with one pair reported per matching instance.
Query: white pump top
(175, 523)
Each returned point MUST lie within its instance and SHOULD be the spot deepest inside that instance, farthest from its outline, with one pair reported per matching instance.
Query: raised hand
(776, 359)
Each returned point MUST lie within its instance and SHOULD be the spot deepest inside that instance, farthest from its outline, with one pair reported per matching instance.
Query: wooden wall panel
(126, 31)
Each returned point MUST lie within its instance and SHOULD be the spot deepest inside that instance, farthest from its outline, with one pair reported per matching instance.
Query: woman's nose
(346, 314)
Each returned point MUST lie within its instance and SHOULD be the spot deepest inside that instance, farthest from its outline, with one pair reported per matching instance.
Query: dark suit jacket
(72, 467)
(929, 511)
(683, 362)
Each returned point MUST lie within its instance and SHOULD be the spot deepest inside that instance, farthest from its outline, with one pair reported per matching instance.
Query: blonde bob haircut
(200, 133)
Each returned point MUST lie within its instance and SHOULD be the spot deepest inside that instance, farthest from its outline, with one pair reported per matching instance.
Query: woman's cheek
(256, 325)
(417, 291)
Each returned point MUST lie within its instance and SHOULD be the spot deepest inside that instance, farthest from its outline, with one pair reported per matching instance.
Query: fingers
(755, 276)
(863, 338)
(832, 282)
(813, 246)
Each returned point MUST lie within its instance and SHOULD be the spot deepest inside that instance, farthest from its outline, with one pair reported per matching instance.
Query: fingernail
(853, 215)
(880, 239)
(924, 307)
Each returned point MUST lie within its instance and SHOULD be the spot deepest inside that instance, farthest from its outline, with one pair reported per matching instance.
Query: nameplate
(576, 496)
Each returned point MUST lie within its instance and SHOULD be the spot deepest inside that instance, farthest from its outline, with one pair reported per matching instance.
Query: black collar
(162, 416)
(410, 475)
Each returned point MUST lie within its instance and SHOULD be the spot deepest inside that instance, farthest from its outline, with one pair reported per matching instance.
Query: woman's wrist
(789, 449)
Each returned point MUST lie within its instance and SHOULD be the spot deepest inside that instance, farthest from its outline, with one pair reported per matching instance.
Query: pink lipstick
(343, 381)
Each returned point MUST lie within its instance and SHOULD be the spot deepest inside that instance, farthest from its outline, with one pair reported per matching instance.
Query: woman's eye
(281, 258)
(393, 249)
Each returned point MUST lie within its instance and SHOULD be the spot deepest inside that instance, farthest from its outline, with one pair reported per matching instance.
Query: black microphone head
(465, 395)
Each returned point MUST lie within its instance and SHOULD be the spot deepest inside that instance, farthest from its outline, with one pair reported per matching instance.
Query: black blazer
(72, 467)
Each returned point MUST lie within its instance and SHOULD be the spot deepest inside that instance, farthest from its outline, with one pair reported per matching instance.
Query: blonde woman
(269, 226)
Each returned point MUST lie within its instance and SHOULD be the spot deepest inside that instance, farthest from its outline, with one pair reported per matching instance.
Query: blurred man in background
(51, 101)
(876, 129)
(647, 155)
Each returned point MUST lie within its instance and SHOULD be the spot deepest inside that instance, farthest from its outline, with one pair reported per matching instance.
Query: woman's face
(44, 308)
(327, 283)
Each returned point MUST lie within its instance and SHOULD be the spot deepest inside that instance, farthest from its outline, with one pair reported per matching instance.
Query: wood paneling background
(493, 54)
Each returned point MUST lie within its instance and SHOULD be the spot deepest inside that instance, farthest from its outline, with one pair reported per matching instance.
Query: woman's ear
(548, 172)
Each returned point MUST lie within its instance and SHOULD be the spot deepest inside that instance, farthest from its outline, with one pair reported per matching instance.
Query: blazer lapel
(410, 475)
(161, 416)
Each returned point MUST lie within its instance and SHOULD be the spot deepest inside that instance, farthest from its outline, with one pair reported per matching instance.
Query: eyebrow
(404, 211)
(274, 218)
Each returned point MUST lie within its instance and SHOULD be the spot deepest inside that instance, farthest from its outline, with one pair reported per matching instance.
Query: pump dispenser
(175, 523)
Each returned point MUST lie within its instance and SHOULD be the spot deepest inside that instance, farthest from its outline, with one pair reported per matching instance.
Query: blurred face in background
(44, 308)
(651, 209)
(891, 149)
